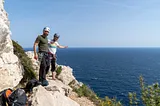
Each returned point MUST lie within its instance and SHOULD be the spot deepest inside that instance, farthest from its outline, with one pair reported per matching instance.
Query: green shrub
(110, 102)
(25, 61)
(84, 90)
(58, 70)
(133, 99)
(150, 95)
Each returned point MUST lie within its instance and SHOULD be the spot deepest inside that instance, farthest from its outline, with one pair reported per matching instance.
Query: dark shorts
(53, 62)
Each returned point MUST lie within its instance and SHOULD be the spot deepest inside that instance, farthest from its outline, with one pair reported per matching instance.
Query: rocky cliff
(10, 67)
(58, 92)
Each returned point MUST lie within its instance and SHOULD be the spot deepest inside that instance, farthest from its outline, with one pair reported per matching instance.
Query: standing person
(43, 57)
(53, 45)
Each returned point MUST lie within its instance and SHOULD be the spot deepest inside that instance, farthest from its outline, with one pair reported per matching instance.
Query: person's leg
(44, 81)
(47, 69)
(40, 67)
(54, 75)
(43, 68)
(48, 62)
(53, 68)
(41, 72)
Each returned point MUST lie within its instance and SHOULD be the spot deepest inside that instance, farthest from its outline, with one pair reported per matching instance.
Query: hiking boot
(45, 83)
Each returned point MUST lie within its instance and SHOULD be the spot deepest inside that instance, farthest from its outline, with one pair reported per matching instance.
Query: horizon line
(103, 47)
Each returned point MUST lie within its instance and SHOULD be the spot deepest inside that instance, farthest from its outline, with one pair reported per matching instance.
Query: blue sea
(112, 72)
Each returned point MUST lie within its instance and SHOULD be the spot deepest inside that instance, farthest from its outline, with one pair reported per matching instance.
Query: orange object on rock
(8, 93)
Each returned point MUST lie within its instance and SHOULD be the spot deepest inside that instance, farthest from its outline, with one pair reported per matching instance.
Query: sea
(112, 72)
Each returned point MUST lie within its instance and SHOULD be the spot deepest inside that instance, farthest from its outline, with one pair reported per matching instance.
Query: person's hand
(35, 56)
(66, 47)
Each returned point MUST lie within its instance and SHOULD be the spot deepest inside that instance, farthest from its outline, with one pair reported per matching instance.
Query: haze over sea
(112, 72)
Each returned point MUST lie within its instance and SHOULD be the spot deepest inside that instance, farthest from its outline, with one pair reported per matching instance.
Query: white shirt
(52, 46)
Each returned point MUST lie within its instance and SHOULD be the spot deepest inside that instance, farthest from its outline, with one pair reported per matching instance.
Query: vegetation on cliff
(150, 95)
(58, 70)
(85, 91)
(25, 61)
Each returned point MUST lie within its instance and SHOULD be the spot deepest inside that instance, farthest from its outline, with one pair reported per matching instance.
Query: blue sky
(87, 23)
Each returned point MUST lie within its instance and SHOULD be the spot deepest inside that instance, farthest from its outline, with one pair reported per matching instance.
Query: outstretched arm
(60, 46)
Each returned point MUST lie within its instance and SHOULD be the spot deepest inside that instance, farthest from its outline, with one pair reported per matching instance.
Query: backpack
(4, 96)
(31, 84)
(17, 98)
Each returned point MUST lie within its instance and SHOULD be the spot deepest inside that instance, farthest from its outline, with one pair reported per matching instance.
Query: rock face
(30, 54)
(10, 67)
(52, 95)
(66, 76)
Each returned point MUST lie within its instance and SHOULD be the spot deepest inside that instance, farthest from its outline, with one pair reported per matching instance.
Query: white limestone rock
(10, 68)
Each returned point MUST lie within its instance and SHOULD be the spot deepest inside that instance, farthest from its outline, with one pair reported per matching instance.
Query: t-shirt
(42, 43)
(53, 46)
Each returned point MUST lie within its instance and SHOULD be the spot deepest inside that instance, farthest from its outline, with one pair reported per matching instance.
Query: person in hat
(53, 45)
(42, 55)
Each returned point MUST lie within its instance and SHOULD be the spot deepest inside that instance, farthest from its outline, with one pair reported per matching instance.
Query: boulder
(52, 95)
(66, 75)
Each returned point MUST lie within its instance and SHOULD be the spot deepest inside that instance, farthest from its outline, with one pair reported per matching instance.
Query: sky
(87, 23)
